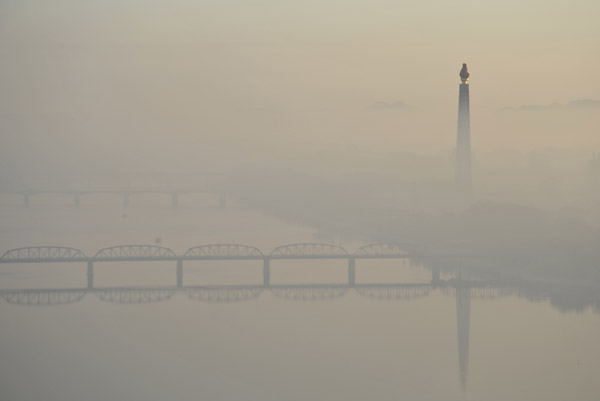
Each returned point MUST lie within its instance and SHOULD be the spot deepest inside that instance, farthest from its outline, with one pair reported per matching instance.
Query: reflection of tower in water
(463, 315)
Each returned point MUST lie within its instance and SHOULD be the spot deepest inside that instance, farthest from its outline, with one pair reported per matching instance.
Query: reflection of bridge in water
(223, 294)
(153, 253)
(462, 290)
(238, 293)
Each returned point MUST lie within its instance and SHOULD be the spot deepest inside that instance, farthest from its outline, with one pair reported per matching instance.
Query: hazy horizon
(129, 81)
(277, 200)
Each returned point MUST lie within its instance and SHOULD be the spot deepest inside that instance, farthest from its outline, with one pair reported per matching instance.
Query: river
(309, 335)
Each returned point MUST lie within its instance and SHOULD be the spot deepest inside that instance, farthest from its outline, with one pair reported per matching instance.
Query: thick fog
(139, 85)
(353, 105)
(308, 121)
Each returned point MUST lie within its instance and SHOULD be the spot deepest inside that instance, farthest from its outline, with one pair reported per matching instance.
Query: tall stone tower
(463, 135)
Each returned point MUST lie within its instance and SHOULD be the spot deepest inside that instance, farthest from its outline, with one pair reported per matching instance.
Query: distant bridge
(123, 184)
(124, 193)
(148, 253)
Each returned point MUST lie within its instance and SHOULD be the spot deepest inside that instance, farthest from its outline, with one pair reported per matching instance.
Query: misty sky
(116, 76)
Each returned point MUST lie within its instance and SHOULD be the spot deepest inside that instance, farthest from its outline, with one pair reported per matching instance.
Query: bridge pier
(26, 200)
(90, 274)
(174, 200)
(179, 273)
(351, 271)
(126, 199)
(77, 199)
(267, 272)
(222, 200)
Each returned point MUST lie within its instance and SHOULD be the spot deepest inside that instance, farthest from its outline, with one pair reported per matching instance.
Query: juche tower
(463, 135)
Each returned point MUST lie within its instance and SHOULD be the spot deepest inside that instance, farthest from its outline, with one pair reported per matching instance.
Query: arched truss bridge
(43, 254)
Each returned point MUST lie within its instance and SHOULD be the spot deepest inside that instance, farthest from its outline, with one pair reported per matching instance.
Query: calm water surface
(292, 341)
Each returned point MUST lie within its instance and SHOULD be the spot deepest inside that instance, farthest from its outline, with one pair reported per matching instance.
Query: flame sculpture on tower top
(464, 73)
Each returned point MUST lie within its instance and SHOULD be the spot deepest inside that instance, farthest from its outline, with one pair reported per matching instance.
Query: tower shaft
(463, 140)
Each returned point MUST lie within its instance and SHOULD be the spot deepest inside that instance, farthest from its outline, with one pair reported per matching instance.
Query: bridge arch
(49, 253)
(223, 251)
(309, 250)
(388, 249)
(135, 252)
